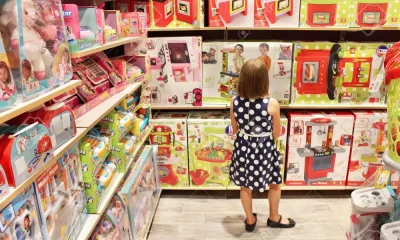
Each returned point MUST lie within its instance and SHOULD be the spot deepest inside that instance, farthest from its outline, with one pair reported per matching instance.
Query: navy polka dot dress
(255, 161)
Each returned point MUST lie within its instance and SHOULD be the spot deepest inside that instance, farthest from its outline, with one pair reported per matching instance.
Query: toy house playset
(141, 191)
(177, 13)
(325, 13)
(81, 27)
(143, 6)
(276, 13)
(370, 139)
(134, 24)
(337, 73)
(25, 149)
(38, 49)
(170, 134)
(231, 13)
(318, 148)
(375, 13)
(210, 148)
(176, 70)
(8, 94)
(114, 224)
(61, 199)
(20, 218)
(222, 63)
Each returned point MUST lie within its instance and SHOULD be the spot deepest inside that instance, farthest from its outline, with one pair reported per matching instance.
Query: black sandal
(278, 224)
(251, 227)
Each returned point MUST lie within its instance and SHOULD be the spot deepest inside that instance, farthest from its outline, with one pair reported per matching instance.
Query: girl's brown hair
(253, 80)
(4, 66)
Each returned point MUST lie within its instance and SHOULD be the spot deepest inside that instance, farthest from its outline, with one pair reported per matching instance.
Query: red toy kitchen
(222, 12)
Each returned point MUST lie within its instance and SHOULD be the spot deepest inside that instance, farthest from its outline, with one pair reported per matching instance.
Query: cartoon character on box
(332, 73)
(169, 133)
(318, 154)
(230, 12)
(220, 86)
(8, 93)
(375, 13)
(209, 148)
(276, 13)
(19, 220)
(317, 13)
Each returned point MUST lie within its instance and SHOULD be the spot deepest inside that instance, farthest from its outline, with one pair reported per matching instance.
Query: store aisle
(206, 219)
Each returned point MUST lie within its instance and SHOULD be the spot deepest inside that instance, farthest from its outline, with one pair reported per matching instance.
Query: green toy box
(170, 134)
(325, 13)
(210, 141)
(339, 73)
(374, 13)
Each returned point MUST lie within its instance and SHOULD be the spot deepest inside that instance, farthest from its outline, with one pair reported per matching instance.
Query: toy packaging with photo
(318, 148)
(210, 143)
(113, 28)
(170, 134)
(276, 13)
(134, 24)
(8, 94)
(222, 63)
(339, 73)
(231, 13)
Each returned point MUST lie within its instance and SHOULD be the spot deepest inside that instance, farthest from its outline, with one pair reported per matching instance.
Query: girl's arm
(235, 65)
(233, 120)
(275, 111)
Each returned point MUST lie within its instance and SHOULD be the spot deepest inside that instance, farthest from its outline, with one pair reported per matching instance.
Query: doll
(6, 82)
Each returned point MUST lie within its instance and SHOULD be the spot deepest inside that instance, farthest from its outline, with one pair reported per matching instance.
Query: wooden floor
(206, 217)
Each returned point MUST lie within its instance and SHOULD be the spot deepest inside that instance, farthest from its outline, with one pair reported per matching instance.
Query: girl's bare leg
(274, 196)
(247, 202)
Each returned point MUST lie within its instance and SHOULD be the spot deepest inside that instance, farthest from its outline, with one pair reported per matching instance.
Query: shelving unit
(294, 107)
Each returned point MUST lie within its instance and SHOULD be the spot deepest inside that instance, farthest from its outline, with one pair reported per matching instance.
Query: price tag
(376, 84)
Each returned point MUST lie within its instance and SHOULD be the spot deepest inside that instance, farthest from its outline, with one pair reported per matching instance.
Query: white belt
(254, 135)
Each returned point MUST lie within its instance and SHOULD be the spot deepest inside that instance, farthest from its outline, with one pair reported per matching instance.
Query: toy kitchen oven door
(229, 8)
(163, 12)
(321, 14)
(275, 8)
(186, 11)
(319, 160)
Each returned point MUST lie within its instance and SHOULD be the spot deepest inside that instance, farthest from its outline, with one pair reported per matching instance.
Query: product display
(170, 134)
(113, 28)
(334, 73)
(318, 148)
(276, 13)
(222, 63)
(210, 141)
(232, 13)
(7, 84)
(136, 6)
(4, 188)
(375, 13)
(325, 13)
(134, 24)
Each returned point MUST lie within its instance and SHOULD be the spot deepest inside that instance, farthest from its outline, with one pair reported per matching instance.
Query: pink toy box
(134, 24)
(114, 76)
(60, 197)
(318, 148)
(137, 68)
(20, 219)
(114, 224)
(25, 149)
(38, 43)
(113, 28)
(8, 94)
(101, 23)
(176, 70)
(231, 13)
(369, 143)
(276, 13)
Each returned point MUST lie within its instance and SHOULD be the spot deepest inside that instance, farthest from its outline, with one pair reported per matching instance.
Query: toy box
(117, 124)
(222, 63)
(281, 143)
(105, 63)
(276, 13)
(177, 13)
(97, 173)
(338, 73)
(101, 25)
(318, 148)
(231, 13)
(210, 141)
(325, 13)
(170, 134)
(81, 26)
(369, 143)
(38, 48)
(375, 13)
(143, 6)
(114, 224)
(61, 198)
(20, 219)
(136, 67)
(134, 24)
(142, 122)
(8, 95)
(4, 188)
(176, 70)
(113, 28)
(133, 101)
(141, 191)
(25, 149)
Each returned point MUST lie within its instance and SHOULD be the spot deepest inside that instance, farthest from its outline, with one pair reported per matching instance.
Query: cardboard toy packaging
(142, 6)
(281, 144)
(222, 62)
(325, 13)
(210, 146)
(176, 70)
(339, 73)
(20, 218)
(231, 13)
(8, 88)
(375, 13)
(177, 13)
(318, 148)
(276, 13)
(170, 134)
(370, 139)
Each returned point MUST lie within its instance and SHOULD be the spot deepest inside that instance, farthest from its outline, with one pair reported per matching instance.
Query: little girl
(255, 119)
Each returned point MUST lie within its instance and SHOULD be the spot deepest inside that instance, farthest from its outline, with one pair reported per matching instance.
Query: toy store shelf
(131, 88)
(88, 51)
(300, 188)
(152, 216)
(5, 200)
(89, 226)
(335, 107)
(194, 188)
(185, 29)
(20, 108)
(313, 29)
(204, 107)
